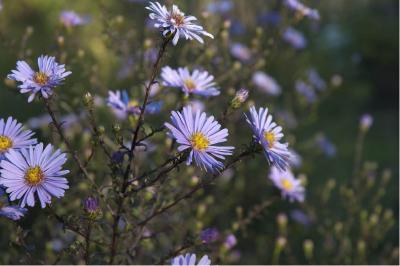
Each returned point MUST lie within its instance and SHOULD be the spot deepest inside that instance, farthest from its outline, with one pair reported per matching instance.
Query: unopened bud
(281, 242)
(91, 206)
(282, 220)
(88, 100)
(361, 247)
(366, 121)
(308, 246)
(240, 97)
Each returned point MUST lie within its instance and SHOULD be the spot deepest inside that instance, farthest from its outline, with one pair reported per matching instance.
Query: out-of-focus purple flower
(230, 241)
(50, 75)
(122, 105)
(221, 6)
(295, 38)
(34, 170)
(305, 90)
(154, 90)
(71, 19)
(190, 259)
(45, 119)
(270, 18)
(300, 217)
(9, 211)
(242, 95)
(303, 10)
(241, 52)
(126, 67)
(295, 159)
(197, 105)
(57, 244)
(325, 145)
(289, 120)
(366, 121)
(175, 22)
(266, 83)
(150, 55)
(237, 28)
(316, 80)
(209, 235)
(291, 187)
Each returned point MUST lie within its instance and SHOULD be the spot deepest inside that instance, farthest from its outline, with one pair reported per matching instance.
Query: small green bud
(308, 247)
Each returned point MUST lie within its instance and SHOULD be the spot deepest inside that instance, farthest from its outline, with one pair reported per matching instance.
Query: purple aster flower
(303, 10)
(266, 83)
(123, 105)
(198, 133)
(197, 82)
(175, 22)
(70, 18)
(268, 134)
(12, 136)
(300, 217)
(316, 80)
(366, 121)
(190, 259)
(290, 187)
(34, 170)
(295, 38)
(8, 211)
(230, 241)
(325, 145)
(306, 91)
(221, 7)
(50, 75)
(240, 51)
(209, 235)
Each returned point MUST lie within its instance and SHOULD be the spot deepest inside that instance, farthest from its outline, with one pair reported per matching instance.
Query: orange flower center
(41, 78)
(190, 85)
(287, 184)
(270, 138)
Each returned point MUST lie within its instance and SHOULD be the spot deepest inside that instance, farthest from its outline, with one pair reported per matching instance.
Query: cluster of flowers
(27, 168)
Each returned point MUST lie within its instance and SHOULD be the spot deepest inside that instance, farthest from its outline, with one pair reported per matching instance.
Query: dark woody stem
(125, 183)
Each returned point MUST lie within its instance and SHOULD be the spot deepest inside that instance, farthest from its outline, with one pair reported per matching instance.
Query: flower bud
(92, 209)
(240, 97)
(230, 241)
(88, 100)
(308, 247)
(366, 121)
(282, 220)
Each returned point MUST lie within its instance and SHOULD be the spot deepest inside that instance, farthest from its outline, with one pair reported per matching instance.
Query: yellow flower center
(287, 184)
(5, 143)
(190, 85)
(132, 104)
(270, 137)
(41, 78)
(34, 176)
(199, 141)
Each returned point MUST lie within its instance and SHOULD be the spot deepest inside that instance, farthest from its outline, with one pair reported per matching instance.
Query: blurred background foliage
(354, 48)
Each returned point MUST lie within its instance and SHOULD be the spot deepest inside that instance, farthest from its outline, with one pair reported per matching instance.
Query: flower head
(190, 259)
(175, 22)
(295, 38)
(230, 241)
(123, 105)
(366, 122)
(198, 133)
(70, 18)
(302, 10)
(12, 136)
(7, 210)
(266, 83)
(209, 235)
(31, 170)
(269, 134)
(198, 82)
(49, 75)
(290, 187)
